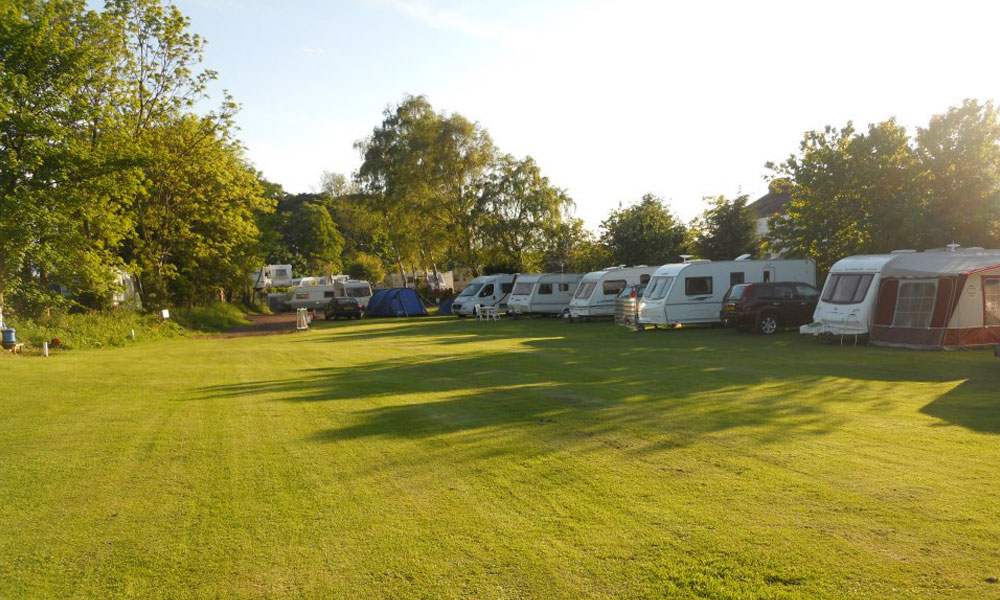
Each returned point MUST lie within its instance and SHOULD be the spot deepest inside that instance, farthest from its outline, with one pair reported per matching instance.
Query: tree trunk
(402, 272)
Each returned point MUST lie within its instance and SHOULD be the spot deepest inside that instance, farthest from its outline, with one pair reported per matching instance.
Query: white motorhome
(692, 292)
(596, 294)
(353, 288)
(273, 276)
(847, 303)
(545, 294)
(485, 290)
(309, 292)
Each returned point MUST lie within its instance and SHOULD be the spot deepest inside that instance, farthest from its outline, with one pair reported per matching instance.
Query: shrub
(211, 318)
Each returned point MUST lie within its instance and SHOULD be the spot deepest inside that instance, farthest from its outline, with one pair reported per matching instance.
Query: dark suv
(348, 308)
(767, 307)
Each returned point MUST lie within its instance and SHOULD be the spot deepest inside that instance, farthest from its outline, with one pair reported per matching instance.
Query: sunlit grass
(445, 458)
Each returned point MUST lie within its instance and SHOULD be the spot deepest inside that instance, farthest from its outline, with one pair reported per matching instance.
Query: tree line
(109, 163)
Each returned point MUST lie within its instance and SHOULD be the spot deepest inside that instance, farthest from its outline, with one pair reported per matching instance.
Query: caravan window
(280, 274)
(847, 289)
(697, 286)
(522, 289)
(736, 278)
(563, 287)
(359, 291)
(487, 291)
(506, 287)
(644, 278)
(991, 293)
(915, 304)
(613, 287)
(544, 288)
(301, 295)
(658, 288)
(328, 294)
(585, 290)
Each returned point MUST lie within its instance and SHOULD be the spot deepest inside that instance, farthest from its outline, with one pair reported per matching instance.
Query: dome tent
(445, 308)
(396, 302)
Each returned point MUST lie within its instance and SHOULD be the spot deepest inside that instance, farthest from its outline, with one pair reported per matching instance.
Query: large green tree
(643, 233)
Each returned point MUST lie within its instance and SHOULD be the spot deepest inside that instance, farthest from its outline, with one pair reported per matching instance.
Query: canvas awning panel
(937, 264)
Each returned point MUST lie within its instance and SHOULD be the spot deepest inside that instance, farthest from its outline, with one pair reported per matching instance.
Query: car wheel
(768, 324)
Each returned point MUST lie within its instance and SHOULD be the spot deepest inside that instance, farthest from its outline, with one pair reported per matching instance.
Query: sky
(613, 99)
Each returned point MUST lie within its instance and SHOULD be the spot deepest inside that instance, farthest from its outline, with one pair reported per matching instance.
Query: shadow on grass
(586, 383)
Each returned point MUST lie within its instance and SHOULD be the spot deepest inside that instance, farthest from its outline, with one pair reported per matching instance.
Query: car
(769, 307)
(348, 308)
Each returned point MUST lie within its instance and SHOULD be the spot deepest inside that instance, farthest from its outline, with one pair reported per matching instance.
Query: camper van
(938, 299)
(487, 290)
(692, 292)
(353, 288)
(309, 292)
(545, 294)
(595, 296)
(273, 276)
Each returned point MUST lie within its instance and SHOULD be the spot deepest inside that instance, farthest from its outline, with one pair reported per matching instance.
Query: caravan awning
(937, 264)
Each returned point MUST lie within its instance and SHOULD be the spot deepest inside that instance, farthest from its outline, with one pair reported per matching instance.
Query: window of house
(644, 278)
(697, 286)
(486, 291)
(915, 303)
(613, 287)
(991, 294)
(736, 278)
(847, 289)
(563, 287)
(544, 288)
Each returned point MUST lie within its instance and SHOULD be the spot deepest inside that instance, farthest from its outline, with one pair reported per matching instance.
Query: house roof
(769, 204)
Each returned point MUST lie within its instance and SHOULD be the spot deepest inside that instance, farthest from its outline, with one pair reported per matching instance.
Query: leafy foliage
(643, 233)
(725, 230)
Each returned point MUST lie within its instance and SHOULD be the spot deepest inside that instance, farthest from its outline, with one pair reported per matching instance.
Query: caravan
(353, 288)
(847, 303)
(596, 294)
(309, 292)
(486, 290)
(545, 294)
(692, 292)
(272, 276)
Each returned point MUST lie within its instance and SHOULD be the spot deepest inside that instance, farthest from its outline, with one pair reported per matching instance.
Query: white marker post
(45, 349)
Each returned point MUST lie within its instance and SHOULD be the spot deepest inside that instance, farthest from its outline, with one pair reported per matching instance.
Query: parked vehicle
(273, 276)
(596, 294)
(769, 307)
(627, 305)
(343, 308)
(486, 290)
(545, 294)
(945, 298)
(353, 288)
(312, 293)
(692, 292)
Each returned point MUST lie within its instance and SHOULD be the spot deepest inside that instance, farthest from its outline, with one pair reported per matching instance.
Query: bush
(211, 318)
(366, 267)
(93, 329)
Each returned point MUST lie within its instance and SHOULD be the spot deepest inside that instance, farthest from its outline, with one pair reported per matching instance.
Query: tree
(643, 233)
(518, 208)
(960, 151)
(851, 193)
(725, 230)
(366, 267)
(313, 236)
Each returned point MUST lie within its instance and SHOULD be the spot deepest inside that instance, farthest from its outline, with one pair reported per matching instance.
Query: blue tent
(397, 302)
(445, 308)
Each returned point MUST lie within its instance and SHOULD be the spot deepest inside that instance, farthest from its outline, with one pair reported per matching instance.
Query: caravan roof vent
(953, 246)
(687, 257)
(904, 251)
(742, 257)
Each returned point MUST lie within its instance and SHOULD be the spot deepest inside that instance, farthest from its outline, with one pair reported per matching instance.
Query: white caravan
(273, 276)
(692, 292)
(353, 288)
(595, 296)
(310, 295)
(487, 290)
(847, 303)
(545, 294)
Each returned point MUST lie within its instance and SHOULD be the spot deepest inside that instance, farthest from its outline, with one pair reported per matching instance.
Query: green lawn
(439, 458)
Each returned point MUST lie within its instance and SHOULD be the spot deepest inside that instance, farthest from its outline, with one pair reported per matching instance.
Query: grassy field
(440, 458)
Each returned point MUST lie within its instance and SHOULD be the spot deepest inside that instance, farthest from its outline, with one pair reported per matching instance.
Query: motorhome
(692, 292)
(596, 294)
(273, 276)
(309, 292)
(545, 294)
(485, 290)
(939, 299)
(353, 288)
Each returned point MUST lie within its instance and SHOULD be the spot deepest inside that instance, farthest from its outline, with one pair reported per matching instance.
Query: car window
(807, 292)
(486, 291)
(737, 291)
(764, 292)
(784, 292)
